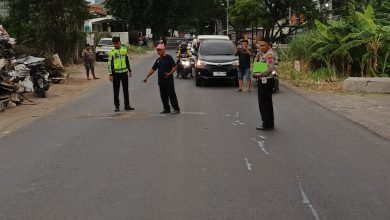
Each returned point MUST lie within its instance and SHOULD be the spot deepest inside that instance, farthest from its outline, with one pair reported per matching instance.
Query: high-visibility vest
(117, 60)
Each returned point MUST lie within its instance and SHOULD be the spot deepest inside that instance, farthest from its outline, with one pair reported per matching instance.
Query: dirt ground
(58, 95)
(369, 110)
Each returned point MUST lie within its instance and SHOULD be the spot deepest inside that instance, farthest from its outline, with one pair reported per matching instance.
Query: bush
(300, 46)
(136, 49)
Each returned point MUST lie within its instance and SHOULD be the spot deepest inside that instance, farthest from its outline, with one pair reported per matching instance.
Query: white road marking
(248, 165)
(313, 211)
(261, 145)
(306, 201)
(234, 124)
(227, 115)
(237, 121)
(242, 123)
(262, 137)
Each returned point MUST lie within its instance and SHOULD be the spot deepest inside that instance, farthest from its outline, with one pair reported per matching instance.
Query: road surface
(84, 161)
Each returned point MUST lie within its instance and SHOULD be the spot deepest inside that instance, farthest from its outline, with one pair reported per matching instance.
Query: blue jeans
(244, 71)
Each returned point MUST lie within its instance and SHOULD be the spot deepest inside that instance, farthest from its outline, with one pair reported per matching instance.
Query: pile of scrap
(21, 73)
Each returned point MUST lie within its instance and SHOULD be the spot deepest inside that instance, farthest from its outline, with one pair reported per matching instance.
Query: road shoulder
(58, 95)
(371, 111)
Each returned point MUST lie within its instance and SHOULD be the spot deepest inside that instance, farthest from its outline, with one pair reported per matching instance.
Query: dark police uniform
(265, 86)
(167, 88)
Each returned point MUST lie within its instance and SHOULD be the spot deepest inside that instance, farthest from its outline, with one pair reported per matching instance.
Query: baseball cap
(160, 47)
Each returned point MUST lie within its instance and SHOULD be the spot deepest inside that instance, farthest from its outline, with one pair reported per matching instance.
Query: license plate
(219, 73)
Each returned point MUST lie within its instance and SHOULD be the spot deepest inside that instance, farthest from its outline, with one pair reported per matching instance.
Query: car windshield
(217, 48)
(105, 42)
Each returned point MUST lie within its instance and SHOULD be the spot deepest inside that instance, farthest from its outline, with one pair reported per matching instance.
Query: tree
(358, 39)
(245, 13)
(273, 15)
(163, 16)
(52, 26)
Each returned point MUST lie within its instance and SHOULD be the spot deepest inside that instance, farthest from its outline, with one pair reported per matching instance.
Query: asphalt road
(86, 162)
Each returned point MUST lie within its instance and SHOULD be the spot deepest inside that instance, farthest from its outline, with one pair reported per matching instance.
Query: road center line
(262, 137)
(307, 202)
(248, 165)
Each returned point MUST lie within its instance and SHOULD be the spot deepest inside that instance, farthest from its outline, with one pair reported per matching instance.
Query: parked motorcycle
(276, 80)
(39, 77)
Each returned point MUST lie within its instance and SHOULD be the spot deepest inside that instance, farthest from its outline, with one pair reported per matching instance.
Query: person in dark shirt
(166, 67)
(244, 64)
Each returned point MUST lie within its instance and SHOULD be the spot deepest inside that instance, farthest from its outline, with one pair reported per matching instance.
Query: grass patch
(322, 79)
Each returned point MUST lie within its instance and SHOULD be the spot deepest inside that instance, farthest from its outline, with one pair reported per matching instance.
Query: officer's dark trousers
(117, 79)
(265, 102)
(167, 93)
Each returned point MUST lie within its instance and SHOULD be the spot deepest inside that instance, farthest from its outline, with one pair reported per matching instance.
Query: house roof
(108, 18)
(97, 9)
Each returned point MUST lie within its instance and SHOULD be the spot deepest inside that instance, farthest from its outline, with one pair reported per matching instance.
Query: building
(99, 2)
(4, 9)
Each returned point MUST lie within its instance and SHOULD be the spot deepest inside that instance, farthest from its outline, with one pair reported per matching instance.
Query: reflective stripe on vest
(118, 56)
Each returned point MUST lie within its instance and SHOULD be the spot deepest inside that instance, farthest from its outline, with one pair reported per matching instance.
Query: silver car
(103, 48)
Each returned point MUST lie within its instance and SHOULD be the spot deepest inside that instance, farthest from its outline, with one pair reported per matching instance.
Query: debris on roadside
(21, 73)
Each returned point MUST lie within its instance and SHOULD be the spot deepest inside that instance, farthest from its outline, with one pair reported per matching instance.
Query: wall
(4, 8)
(123, 35)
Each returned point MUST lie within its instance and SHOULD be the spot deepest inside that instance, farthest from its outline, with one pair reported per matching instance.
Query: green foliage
(245, 13)
(300, 46)
(136, 49)
(161, 15)
(272, 15)
(356, 45)
(52, 26)
(322, 74)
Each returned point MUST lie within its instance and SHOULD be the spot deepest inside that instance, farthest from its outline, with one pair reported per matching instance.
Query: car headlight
(200, 64)
(235, 63)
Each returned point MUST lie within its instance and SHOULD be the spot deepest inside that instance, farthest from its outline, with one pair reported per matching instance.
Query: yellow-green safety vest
(117, 58)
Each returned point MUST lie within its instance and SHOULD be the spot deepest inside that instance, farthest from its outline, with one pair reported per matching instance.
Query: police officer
(119, 71)
(265, 85)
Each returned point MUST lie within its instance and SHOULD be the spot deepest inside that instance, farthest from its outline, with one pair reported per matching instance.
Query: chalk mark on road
(248, 165)
(261, 145)
(306, 201)
(193, 113)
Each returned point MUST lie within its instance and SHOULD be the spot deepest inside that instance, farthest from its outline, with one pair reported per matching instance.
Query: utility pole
(227, 18)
